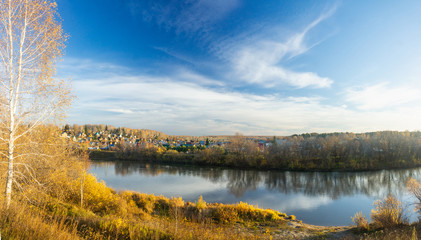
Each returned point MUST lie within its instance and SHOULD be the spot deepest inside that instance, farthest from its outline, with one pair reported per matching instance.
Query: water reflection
(322, 198)
(331, 184)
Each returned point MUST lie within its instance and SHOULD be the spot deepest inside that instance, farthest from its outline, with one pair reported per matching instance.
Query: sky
(218, 67)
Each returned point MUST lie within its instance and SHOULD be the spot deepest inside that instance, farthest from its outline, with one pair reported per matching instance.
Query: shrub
(360, 221)
(200, 204)
(414, 234)
(388, 212)
(415, 188)
(224, 214)
(99, 198)
(146, 202)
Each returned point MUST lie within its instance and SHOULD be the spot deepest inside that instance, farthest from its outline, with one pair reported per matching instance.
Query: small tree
(415, 188)
(388, 213)
(31, 41)
(360, 221)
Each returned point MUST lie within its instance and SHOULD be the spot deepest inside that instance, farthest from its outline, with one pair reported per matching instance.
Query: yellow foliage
(177, 201)
(201, 204)
(161, 150)
(415, 188)
(388, 212)
(98, 197)
(360, 221)
(21, 222)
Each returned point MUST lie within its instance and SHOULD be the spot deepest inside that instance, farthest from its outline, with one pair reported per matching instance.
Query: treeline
(55, 198)
(334, 151)
(124, 131)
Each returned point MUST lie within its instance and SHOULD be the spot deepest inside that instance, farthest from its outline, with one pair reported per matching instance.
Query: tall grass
(21, 222)
(106, 214)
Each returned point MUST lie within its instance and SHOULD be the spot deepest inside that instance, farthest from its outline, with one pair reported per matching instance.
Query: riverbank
(189, 160)
(105, 214)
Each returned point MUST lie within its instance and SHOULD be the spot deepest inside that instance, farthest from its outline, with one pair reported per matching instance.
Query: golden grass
(22, 222)
(106, 214)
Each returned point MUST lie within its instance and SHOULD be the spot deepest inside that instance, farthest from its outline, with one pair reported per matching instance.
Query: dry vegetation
(128, 215)
(388, 219)
(48, 204)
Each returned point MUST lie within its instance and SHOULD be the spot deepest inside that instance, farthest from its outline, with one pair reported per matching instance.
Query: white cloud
(184, 107)
(126, 111)
(189, 76)
(189, 103)
(258, 59)
(301, 202)
(382, 96)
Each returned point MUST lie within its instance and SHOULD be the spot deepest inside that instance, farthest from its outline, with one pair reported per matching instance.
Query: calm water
(320, 198)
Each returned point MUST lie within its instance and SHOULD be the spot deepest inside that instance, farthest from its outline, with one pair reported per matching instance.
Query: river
(319, 198)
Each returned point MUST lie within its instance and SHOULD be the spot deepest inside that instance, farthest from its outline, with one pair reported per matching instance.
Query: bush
(415, 188)
(200, 204)
(388, 213)
(360, 221)
(224, 214)
(99, 198)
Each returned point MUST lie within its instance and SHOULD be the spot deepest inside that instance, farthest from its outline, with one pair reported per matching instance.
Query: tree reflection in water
(238, 182)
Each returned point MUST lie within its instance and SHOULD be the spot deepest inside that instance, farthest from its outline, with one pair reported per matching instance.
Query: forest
(329, 151)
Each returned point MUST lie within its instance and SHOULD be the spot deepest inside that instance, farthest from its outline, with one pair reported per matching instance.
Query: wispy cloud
(258, 59)
(193, 16)
(172, 104)
(183, 107)
(125, 111)
(80, 69)
(382, 96)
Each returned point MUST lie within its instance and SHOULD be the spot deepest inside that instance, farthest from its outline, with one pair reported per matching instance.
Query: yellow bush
(98, 197)
(146, 202)
(360, 221)
(177, 202)
(161, 150)
(247, 212)
(63, 187)
(415, 188)
(201, 204)
(150, 203)
(225, 214)
(388, 212)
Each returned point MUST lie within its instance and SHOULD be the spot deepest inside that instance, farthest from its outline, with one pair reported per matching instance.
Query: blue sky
(212, 67)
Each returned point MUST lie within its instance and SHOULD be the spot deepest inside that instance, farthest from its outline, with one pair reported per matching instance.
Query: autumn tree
(31, 41)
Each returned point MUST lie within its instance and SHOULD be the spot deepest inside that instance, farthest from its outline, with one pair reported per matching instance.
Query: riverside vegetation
(57, 199)
(335, 151)
(62, 201)
(54, 197)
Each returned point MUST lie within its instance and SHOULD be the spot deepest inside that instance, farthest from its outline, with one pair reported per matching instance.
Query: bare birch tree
(31, 41)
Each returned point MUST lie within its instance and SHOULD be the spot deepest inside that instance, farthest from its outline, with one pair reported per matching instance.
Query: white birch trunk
(30, 41)
(11, 141)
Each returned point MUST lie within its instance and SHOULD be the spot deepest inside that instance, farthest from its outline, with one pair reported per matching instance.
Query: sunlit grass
(106, 214)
